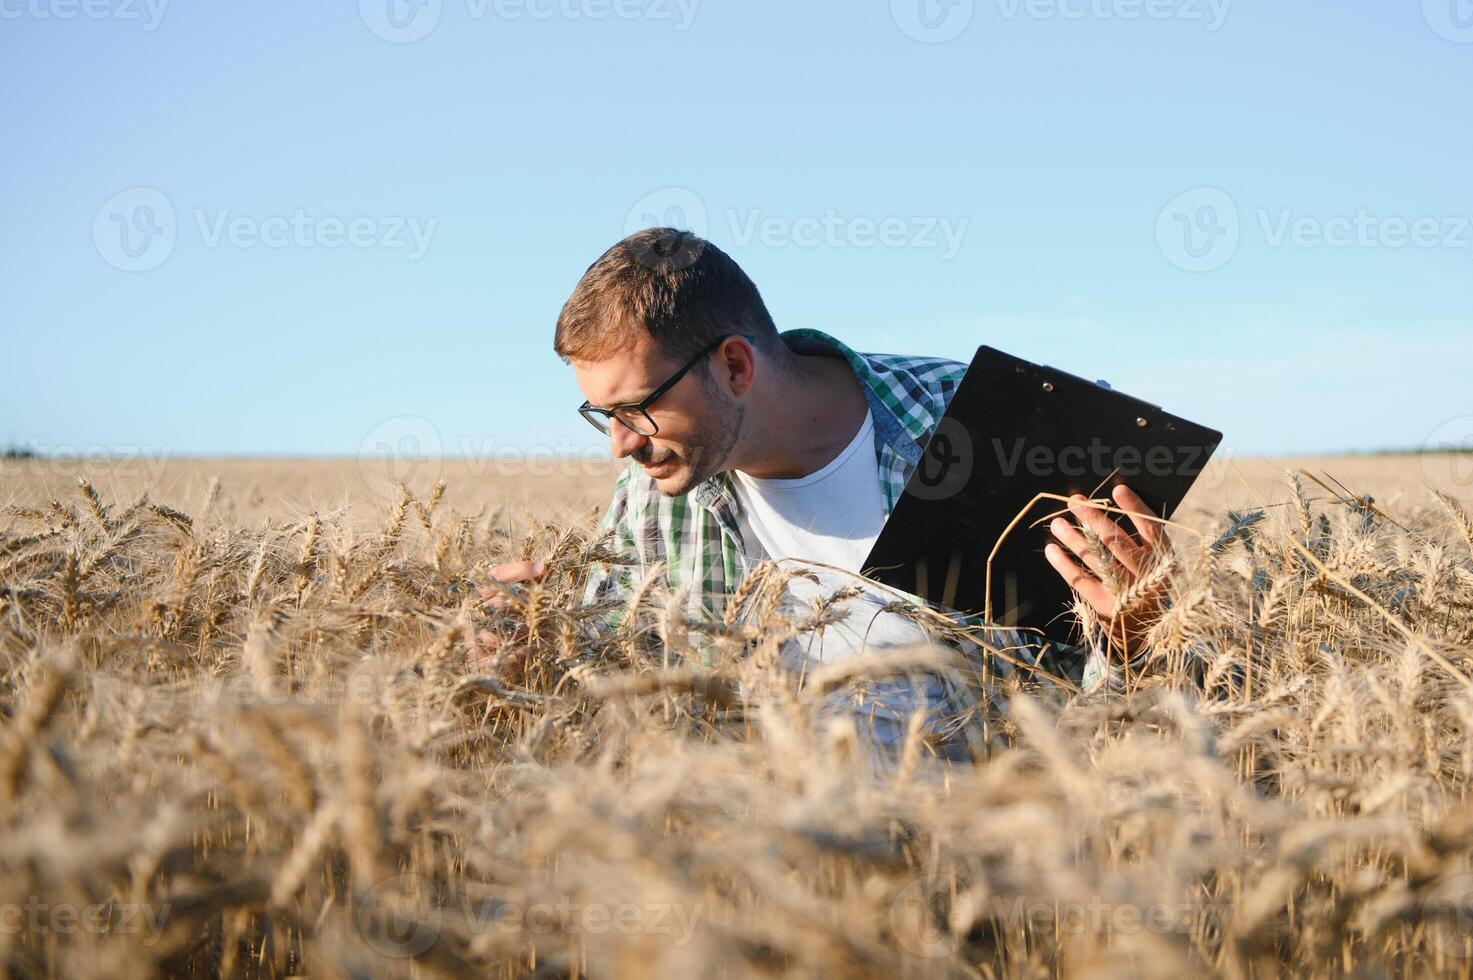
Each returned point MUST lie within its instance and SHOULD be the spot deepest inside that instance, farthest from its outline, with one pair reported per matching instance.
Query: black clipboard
(1014, 429)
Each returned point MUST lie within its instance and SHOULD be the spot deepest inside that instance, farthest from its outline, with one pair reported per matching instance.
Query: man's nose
(625, 441)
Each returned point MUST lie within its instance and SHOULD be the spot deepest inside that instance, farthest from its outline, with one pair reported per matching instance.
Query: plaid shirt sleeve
(690, 540)
(607, 581)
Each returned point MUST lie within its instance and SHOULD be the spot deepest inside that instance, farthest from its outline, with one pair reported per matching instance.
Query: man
(749, 444)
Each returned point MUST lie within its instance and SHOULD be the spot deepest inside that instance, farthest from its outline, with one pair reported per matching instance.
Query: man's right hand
(486, 648)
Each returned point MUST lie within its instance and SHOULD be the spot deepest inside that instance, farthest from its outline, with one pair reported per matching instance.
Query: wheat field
(240, 738)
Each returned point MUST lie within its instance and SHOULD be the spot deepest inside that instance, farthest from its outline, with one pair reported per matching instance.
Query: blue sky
(285, 227)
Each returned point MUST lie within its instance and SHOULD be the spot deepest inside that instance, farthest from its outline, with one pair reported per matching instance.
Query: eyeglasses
(634, 415)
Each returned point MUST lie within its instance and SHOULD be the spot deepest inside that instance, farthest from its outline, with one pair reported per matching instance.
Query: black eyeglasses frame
(599, 417)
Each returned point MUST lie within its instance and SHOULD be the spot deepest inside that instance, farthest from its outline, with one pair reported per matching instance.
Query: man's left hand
(1132, 556)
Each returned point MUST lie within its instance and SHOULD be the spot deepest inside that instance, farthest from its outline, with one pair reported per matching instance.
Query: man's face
(699, 419)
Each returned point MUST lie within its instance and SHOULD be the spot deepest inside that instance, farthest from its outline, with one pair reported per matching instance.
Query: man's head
(652, 304)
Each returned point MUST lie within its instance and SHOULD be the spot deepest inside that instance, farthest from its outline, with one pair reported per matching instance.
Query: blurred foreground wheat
(258, 751)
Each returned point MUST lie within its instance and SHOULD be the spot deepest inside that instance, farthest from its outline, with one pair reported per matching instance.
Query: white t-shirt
(832, 515)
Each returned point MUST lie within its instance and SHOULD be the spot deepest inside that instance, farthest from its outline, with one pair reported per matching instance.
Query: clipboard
(1012, 430)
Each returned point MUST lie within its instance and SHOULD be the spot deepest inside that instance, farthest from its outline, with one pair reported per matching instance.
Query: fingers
(519, 571)
(488, 653)
(1091, 589)
(491, 596)
(1152, 534)
(483, 646)
(491, 652)
(1125, 548)
(510, 573)
(1136, 558)
(1072, 538)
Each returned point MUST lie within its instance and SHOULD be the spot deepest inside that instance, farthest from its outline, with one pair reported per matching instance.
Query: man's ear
(736, 365)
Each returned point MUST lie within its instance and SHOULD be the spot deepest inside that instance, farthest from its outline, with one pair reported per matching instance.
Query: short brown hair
(679, 289)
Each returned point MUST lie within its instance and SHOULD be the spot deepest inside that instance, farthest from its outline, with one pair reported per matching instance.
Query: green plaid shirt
(702, 538)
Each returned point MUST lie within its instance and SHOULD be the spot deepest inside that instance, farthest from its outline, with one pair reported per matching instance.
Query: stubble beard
(708, 451)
